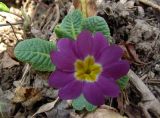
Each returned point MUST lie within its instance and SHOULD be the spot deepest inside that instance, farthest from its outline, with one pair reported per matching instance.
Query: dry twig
(26, 70)
(12, 29)
(49, 15)
(18, 23)
(150, 3)
(57, 18)
(149, 101)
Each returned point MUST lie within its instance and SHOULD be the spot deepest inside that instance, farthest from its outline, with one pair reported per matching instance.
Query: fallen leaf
(46, 107)
(2, 47)
(130, 53)
(107, 112)
(61, 110)
(88, 7)
(126, 54)
(27, 96)
(8, 62)
(10, 51)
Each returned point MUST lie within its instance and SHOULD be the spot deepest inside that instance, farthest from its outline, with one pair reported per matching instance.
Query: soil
(134, 26)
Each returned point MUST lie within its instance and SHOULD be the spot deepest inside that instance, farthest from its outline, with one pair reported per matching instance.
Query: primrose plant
(85, 66)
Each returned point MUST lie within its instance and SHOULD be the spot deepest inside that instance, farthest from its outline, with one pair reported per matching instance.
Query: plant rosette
(85, 66)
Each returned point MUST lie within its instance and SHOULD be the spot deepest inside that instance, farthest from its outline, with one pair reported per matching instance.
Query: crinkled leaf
(36, 52)
(80, 103)
(122, 82)
(70, 26)
(61, 33)
(3, 7)
(96, 24)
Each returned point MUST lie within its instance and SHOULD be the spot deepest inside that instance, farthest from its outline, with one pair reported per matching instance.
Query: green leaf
(70, 26)
(36, 52)
(3, 7)
(122, 82)
(3, 109)
(80, 103)
(96, 24)
(61, 33)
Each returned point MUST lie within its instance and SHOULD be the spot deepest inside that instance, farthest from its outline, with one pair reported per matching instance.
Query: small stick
(12, 29)
(26, 69)
(153, 81)
(40, 2)
(149, 101)
(49, 15)
(150, 3)
(57, 18)
(1, 25)
(111, 101)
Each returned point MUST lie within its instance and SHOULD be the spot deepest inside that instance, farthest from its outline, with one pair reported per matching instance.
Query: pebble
(157, 67)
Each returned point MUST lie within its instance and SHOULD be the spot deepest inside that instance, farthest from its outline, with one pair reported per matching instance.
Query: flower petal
(108, 86)
(84, 43)
(99, 43)
(110, 55)
(116, 70)
(65, 44)
(59, 79)
(71, 90)
(93, 94)
(60, 57)
(63, 60)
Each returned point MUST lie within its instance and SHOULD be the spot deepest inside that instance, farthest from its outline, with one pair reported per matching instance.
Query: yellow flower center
(87, 69)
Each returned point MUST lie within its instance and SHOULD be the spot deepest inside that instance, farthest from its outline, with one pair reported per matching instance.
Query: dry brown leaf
(2, 47)
(8, 62)
(88, 7)
(130, 53)
(27, 96)
(46, 107)
(107, 112)
(10, 51)
(126, 54)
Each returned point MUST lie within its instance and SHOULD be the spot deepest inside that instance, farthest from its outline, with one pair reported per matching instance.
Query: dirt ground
(134, 25)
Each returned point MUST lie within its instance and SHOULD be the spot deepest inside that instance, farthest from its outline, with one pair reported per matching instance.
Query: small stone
(123, 1)
(141, 12)
(124, 13)
(157, 67)
(16, 83)
(130, 4)
(151, 75)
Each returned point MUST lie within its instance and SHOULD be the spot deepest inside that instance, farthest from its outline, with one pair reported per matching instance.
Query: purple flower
(88, 66)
